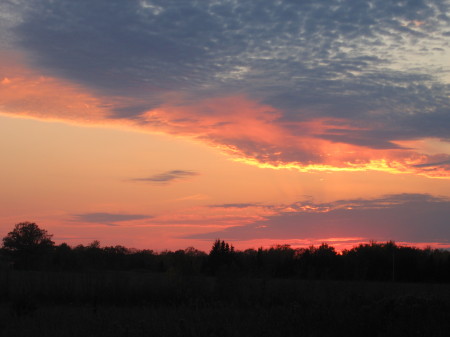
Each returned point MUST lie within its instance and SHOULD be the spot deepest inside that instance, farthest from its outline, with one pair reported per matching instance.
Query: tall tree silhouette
(220, 256)
(27, 243)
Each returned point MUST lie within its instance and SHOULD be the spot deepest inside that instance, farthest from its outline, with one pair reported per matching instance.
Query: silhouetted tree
(326, 261)
(30, 247)
(27, 244)
(220, 256)
(63, 257)
(278, 261)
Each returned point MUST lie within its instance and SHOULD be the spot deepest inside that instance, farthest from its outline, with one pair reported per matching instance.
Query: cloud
(445, 162)
(168, 176)
(307, 84)
(399, 217)
(109, 219)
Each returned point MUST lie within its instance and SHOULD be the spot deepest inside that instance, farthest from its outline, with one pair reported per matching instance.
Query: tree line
(28, 247)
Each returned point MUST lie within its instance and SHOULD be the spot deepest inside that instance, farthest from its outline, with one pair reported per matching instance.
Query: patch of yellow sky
(53, 170)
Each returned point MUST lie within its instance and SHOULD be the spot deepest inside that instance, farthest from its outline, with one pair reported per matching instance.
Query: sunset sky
(164, 124)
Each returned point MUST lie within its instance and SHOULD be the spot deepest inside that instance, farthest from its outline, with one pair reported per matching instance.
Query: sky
(164, 124)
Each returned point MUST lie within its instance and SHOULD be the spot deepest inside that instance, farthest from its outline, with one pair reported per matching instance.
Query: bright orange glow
(373, 165)
(27, 93)
(249, 132)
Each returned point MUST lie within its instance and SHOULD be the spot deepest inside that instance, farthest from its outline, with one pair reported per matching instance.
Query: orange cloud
(255, 134)
(248, 131)
(26, 93)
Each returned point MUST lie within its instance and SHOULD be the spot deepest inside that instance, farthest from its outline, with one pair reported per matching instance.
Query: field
(152, 304)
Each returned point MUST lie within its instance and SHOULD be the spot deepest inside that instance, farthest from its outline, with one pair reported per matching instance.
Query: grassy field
(148, 304)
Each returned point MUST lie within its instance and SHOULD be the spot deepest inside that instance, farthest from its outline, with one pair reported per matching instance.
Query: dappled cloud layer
(329, 85)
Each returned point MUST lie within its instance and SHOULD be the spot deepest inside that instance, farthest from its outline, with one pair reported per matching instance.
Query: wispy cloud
(441, 163)
(193, 197)
(168, 176)
(235, 205)
(109, 219)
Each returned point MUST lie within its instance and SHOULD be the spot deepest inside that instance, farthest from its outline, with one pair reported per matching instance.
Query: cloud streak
(235, 205)
(168, 176)
(109, 219)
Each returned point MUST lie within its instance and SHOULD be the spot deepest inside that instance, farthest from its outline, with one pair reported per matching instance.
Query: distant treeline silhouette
(28, 247)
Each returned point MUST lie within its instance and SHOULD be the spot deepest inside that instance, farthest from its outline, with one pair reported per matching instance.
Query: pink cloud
(257, 134)
(249, 131)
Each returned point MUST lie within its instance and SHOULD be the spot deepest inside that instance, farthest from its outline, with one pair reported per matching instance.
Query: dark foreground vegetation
(378, 289)
(28, 247)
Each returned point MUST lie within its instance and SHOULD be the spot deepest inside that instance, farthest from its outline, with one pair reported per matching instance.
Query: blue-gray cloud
(363, 61)
(400, 217)
(109, 219)
(168, 176)
(441, 163)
